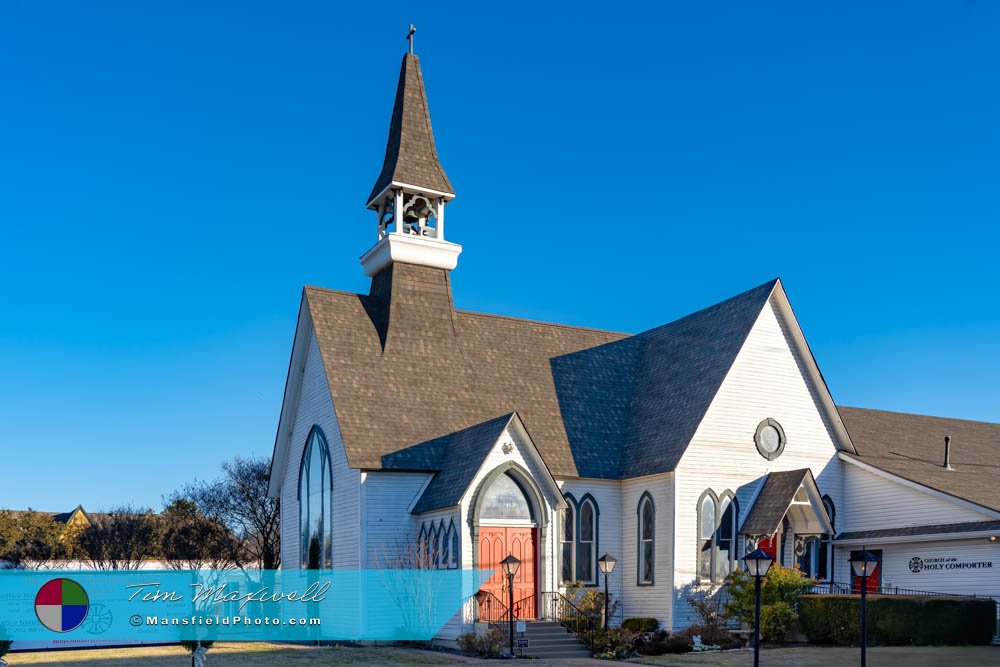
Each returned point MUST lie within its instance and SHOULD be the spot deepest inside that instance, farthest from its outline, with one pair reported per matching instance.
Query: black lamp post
(757, 563)
(510, 565)
(864, 565)
(607, 565)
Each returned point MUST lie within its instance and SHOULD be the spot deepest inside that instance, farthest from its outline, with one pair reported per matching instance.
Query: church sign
(918, 564)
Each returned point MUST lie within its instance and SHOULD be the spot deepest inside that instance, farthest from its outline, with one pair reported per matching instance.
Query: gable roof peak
(410, 153)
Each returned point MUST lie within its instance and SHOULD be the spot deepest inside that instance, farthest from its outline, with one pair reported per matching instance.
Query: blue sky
(171, 174)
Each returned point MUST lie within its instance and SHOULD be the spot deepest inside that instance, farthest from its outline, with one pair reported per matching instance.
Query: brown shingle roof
(404, 367)
(410, 154)
(912, 447)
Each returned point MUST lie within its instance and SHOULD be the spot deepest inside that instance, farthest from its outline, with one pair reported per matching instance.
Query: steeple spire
(411, 158)
(411, 191)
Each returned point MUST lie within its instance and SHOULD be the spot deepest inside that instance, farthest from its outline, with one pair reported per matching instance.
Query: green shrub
(711, 635)
(492, 644)
(641, 624)
(782, 584)
(661, 642)
(897, 620)
(5, 645)
(776, 620)
(611, 643)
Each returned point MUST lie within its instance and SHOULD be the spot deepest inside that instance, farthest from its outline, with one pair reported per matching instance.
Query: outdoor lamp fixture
(864, 565)
(606, 564)
(757, 563)
(510, 566)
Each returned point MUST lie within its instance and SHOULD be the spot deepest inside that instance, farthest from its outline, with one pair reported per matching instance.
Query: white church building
(408, 424)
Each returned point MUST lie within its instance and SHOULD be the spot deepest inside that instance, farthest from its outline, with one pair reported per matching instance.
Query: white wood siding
(388, 522)
(980, 581)
(655, 601)
(872, 502)
(316, 407)
(768, 379)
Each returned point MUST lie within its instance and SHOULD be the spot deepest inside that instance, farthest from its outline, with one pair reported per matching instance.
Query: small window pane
(707, 518)
(584, 562)
(587, 522)
(567, 561)
(647, 562)
(647, 521)
(568, 524)
(505, 500)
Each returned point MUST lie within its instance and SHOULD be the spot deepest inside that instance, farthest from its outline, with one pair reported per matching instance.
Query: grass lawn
(813, 656)
(263, 654)
(257, 654)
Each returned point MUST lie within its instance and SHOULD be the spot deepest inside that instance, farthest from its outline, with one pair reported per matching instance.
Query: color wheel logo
(61, 605)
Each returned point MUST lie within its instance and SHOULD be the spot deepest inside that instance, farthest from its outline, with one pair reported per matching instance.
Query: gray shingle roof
(410, 154)
(764, 518)
(912, 447)
(597, 404)
(913, 531)
(454, 458)
(632, 406)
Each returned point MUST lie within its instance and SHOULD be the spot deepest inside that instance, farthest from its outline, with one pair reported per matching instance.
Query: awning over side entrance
(792, 494)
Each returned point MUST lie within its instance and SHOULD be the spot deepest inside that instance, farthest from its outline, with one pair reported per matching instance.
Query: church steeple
(412, 190)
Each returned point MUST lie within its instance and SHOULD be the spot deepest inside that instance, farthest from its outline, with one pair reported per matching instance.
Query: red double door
(495, 544)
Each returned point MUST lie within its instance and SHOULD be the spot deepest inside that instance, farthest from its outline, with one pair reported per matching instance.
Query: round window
(770, 439)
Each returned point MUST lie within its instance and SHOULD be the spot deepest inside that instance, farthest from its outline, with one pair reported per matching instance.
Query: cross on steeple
(409, 37)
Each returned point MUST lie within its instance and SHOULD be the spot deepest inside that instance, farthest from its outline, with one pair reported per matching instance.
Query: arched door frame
(539, 514)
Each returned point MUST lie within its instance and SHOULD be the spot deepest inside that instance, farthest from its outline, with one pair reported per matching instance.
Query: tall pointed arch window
(725, 549)
(707, 513)
(567, 540)
(646, 530)
(586, 549)
(315, 507)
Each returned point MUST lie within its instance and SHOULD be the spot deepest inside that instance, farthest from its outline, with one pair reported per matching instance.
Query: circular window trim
(770, 456)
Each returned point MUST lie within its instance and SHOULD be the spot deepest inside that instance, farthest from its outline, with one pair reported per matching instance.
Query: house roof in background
(912, 447)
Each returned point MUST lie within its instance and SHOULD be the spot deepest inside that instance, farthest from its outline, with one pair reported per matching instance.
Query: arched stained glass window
(706, 535)
(567, 538)
(586, 552)
(315, 489)
(647, 528)
(505, 500)
(725, 553)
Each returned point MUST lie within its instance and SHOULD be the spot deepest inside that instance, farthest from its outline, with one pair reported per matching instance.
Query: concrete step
(551, 640)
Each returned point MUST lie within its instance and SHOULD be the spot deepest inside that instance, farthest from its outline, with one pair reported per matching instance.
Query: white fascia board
(919, 487)
(812, 367)
(906, 539)
(416, 189)
(290, 399)
(410, 249)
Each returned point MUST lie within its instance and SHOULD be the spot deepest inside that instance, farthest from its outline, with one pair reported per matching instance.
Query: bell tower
(412, 190)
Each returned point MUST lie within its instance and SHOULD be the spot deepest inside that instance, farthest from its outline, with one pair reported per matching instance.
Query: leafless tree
(238, 501)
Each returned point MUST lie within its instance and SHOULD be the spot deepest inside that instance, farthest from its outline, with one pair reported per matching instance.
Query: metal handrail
(557, 607)
(837, 588)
